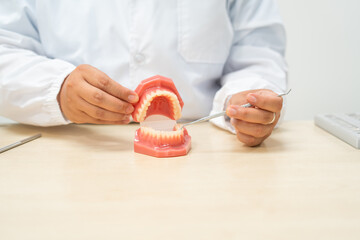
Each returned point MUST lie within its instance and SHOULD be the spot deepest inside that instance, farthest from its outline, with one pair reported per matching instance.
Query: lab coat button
(139, 58)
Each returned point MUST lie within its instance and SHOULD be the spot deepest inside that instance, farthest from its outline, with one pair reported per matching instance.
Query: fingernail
(233, 121)
(133, 98)
(232, 111)
(125, 121)
(251, 98)
(129, 109)
(127, 118)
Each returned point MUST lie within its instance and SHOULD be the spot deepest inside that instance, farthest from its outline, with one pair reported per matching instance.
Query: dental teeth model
(158, 109)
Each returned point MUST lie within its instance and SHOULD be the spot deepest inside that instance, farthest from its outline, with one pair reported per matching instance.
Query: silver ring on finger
(273, 120)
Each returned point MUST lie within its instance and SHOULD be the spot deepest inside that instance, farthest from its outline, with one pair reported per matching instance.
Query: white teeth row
(162, 134)
(153, 94)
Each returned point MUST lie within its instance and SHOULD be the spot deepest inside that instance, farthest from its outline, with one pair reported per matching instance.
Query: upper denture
(157, 95)
(157, 101)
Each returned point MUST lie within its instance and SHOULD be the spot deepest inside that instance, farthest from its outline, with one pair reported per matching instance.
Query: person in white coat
(79, 61)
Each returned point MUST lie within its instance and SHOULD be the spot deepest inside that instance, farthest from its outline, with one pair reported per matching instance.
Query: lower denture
(161, 138)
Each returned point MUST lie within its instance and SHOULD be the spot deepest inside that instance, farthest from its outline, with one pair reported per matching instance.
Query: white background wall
(323, 55)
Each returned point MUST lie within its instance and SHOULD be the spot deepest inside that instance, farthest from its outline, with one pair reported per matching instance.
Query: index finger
(102, 81)
(266, 100)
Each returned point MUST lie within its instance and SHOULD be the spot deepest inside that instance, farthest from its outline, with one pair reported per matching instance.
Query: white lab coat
(210, 48)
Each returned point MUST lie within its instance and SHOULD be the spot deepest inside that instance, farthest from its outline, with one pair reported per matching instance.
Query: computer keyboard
(344, 126)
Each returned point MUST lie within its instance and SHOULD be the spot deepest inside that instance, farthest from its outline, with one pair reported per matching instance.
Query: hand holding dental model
(90, 96)
(253, 125)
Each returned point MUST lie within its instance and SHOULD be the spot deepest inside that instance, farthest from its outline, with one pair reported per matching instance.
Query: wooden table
(85, 182)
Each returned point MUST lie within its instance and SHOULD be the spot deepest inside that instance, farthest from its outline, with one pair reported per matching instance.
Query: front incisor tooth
(163, 138)
(159, 92)
(150, 95)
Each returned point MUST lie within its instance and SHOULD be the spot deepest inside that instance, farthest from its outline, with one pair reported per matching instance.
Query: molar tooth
(176, 137)
(176, 104)
(140, 112)
(148, 98)
(142, 133)
(182, 138)
(149, 133)
(141, 118)
(177, 132)
(145, 132)
(138, 115)
(148, 130)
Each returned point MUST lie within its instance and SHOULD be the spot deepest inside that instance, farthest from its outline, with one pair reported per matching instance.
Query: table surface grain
(85, 182)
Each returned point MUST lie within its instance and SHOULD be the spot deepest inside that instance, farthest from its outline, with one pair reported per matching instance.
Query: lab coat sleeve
(256, 59)
(29, 80)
